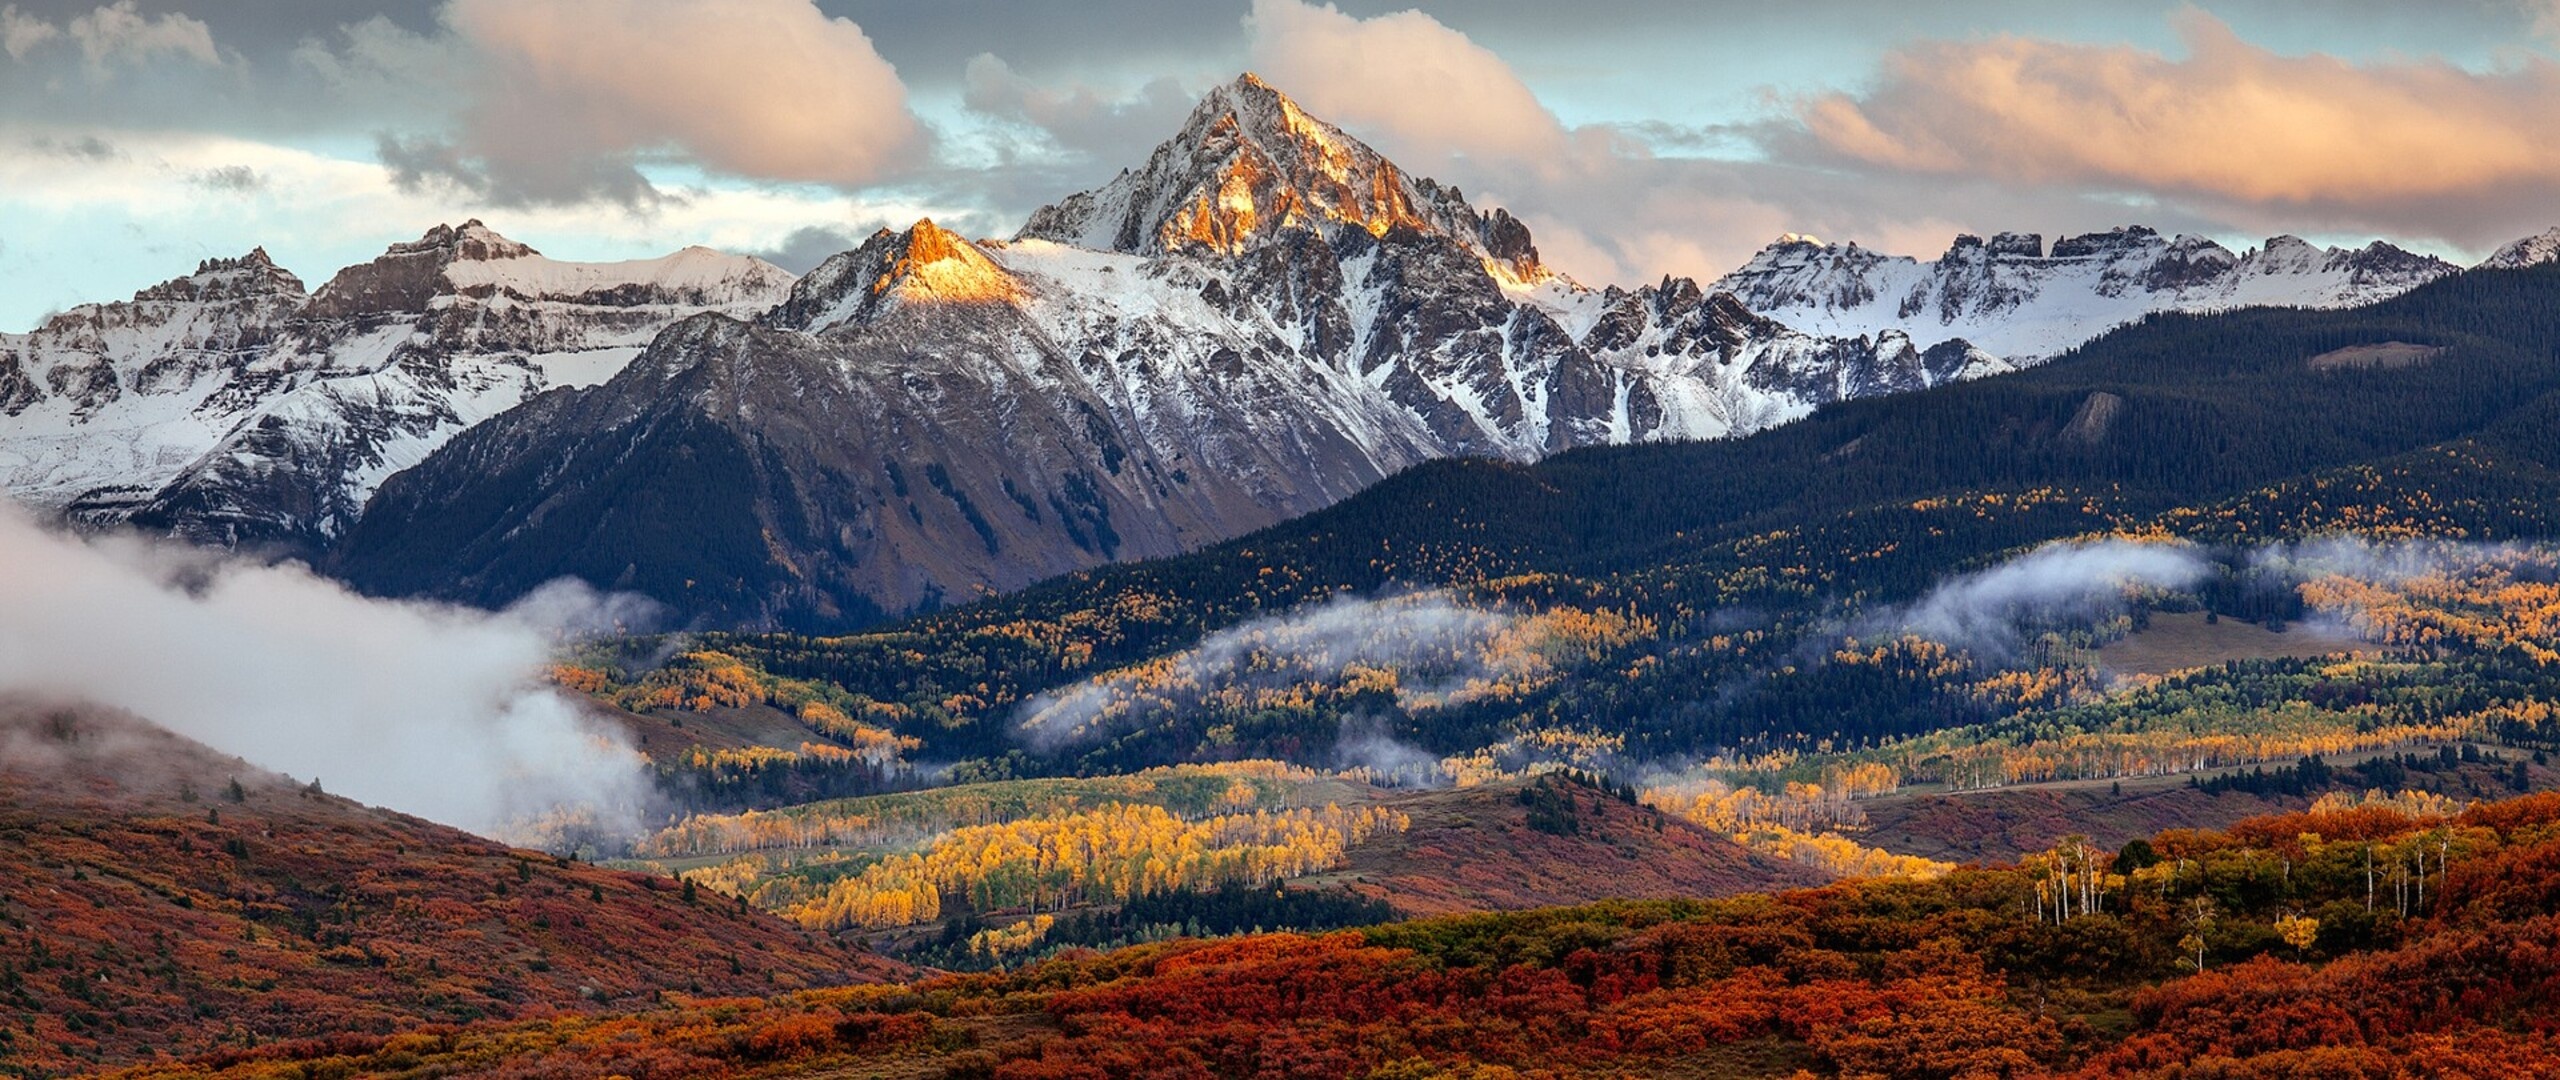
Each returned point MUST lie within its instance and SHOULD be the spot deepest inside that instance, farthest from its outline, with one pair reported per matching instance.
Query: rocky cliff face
(2014, 299)
(230, 407)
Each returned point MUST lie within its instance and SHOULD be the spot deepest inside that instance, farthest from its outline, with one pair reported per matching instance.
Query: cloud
(810, 245)
(231, 180)
(1366, 746)
(1403, 78)
(20, 33)
(564, 100)
(2411, 145)
(1032, 142)
(2067, 582)
(86, 148)
(438, 712)
(2546, 19)
(1081, 119)
(112, 35)
(380, 72)
(118, 33)
(1434, 644)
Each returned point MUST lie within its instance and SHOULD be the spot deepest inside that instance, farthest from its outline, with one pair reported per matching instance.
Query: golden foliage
(1801, 822)
(1020, 937)
(1111, 854)
(909, 818)
(863, 740)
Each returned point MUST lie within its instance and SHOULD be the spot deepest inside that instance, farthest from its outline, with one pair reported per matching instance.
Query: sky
(1637, 138)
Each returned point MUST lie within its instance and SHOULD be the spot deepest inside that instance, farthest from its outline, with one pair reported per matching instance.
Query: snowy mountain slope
(230, 407)
(1270, 317)
(2530, 251)
(2013, 298)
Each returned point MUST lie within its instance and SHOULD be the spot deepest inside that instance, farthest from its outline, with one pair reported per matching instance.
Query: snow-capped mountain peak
(473, 259)
(2530, 251)
(926, 264)
(1250, 163)
(407, 275)
(253, 274)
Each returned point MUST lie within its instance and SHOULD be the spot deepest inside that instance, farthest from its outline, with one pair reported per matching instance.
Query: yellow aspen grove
(1108, 855)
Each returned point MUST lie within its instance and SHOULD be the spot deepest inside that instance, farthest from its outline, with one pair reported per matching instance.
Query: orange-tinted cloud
(568, 95)
(1404, 79)
(2412, 143)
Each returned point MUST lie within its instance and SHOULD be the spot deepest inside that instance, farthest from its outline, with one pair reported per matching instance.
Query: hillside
(2393, 942)
(157, 899)
(2002, 825)
(1518, 845)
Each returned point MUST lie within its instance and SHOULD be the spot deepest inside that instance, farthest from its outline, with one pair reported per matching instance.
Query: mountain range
(232, 407)
(2014, 298)
(1264, 318)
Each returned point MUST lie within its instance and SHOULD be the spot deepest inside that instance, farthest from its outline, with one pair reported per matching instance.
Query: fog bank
(435, 711)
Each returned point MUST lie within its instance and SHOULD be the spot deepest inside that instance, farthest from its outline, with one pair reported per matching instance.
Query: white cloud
(564, 101)
(112, 35)
(20, 33)
(2546, 19)
(439, 712)
(117, 33)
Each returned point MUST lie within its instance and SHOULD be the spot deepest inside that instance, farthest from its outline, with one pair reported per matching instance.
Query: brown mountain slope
(148, 907)
(1472, 849)
(2002, 826)
(2007, 824)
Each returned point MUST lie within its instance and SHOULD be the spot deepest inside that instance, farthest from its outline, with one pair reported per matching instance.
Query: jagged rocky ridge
(2014, 299)
(1266, 318)
(231, 407)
